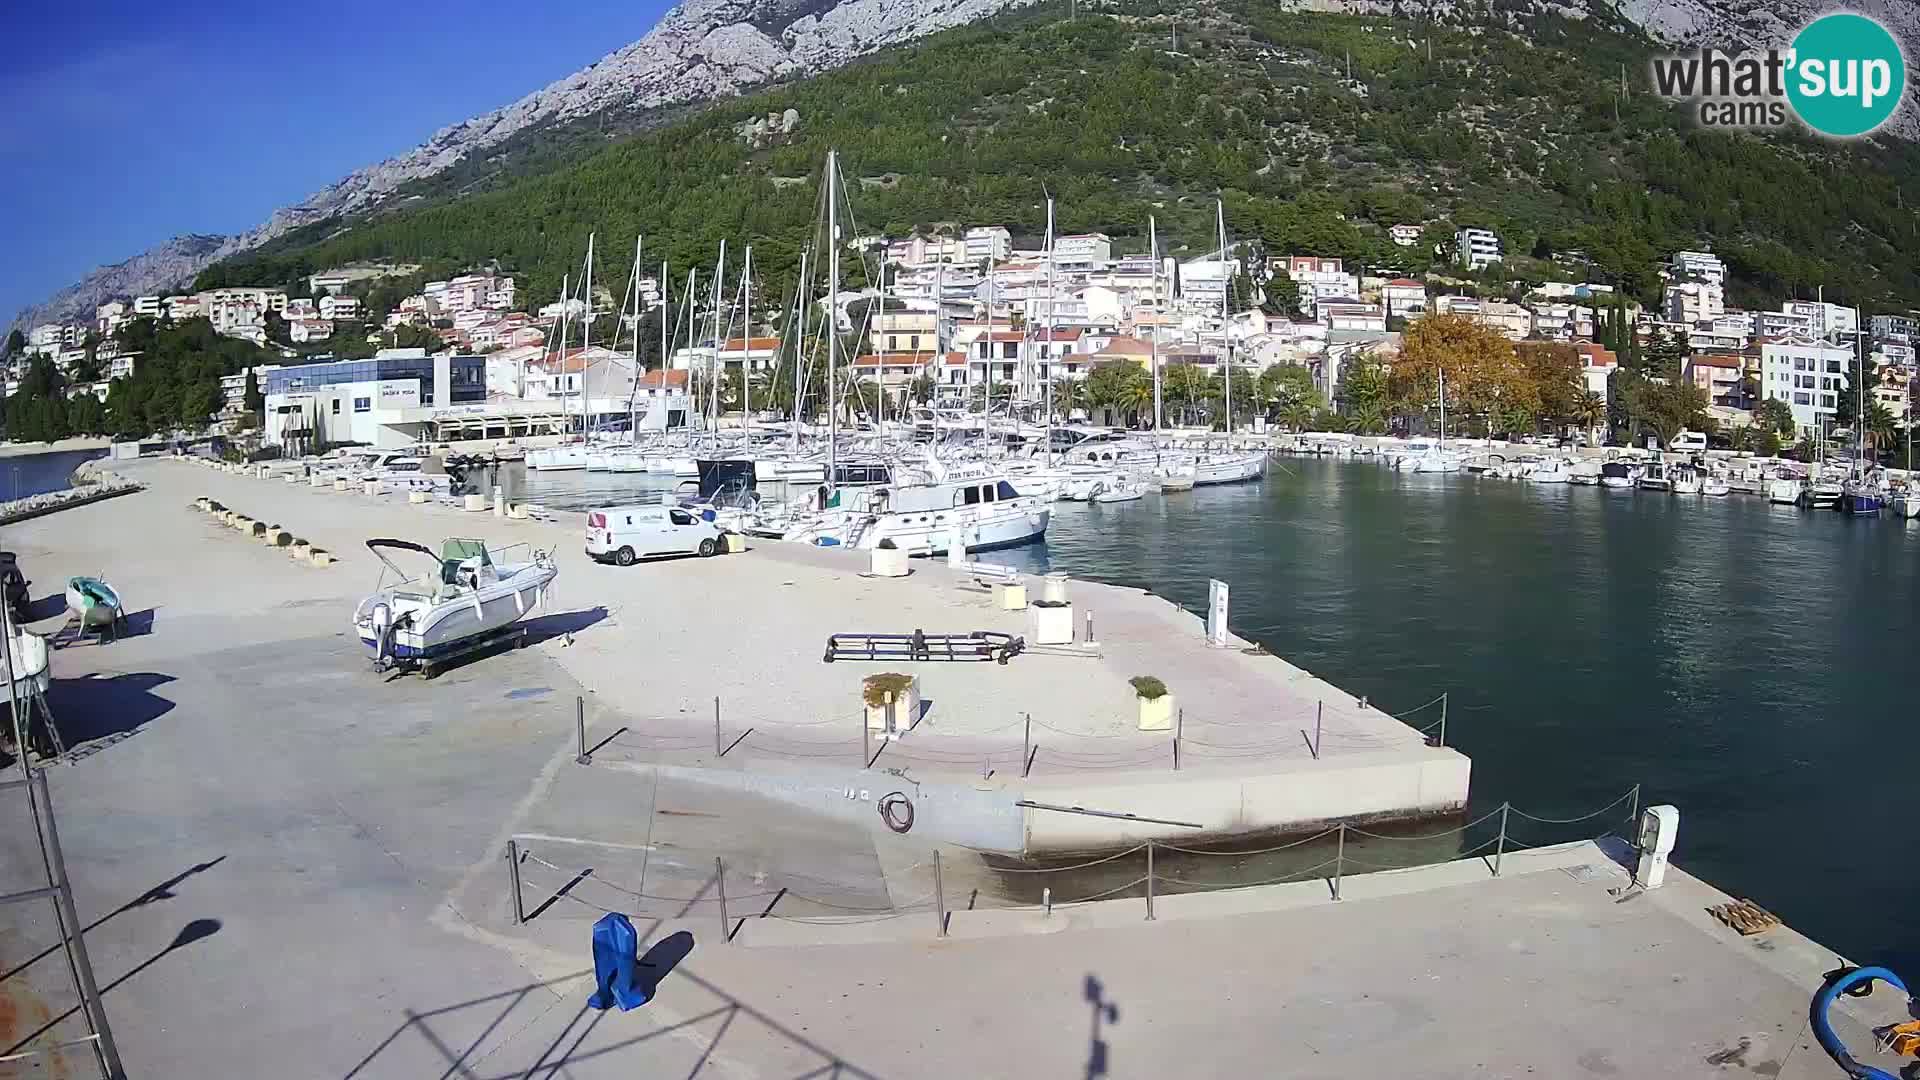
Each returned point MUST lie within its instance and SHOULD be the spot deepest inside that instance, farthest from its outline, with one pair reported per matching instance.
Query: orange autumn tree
(1487, 386)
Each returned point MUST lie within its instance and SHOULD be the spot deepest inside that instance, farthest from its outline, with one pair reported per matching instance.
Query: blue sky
(122, 124)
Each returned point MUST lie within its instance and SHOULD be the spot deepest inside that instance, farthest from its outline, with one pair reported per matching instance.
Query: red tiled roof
(1596, 356)
(1058, 333)
(1407, 281)
(655, 380)
(759, 343)
(1715, 360)
(956, 359)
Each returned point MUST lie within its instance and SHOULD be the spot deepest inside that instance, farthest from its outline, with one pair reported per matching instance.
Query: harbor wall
(1282, 798)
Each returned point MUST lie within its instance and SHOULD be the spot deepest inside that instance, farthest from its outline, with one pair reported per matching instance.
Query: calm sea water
(37, 474)
(1752, 665)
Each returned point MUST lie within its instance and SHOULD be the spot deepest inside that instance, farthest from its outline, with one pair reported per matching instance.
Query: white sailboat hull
(1231, 469)
(437, 628)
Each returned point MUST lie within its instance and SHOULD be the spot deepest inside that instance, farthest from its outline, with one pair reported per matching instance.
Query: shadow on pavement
(544, 627)
(162, 891)
(554, 1060)
(190, 933)
(99, 706)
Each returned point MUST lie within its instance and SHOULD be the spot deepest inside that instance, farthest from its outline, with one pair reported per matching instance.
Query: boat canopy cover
(94, 591)
(458, 551)
(403, 545)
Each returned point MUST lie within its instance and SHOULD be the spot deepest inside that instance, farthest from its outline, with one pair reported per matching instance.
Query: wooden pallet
(1745, 916)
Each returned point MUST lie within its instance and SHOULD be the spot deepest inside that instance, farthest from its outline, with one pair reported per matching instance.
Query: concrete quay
(292, 867)
(660, 642)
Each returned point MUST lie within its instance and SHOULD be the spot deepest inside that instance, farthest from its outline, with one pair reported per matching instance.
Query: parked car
(622, 534)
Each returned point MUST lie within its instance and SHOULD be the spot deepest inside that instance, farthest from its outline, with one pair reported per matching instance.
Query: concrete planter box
(1010, 596)
(736, 543)
(294, 478)
(1052, 623)
(371, 487)
(1156, 714)
(258, 529)
(242, 523)
(475, 504)
(416, 496)
(301, 548)
(906, 705)
(278, 538)
(340, 484)
(320, 557)
(316, 480)
(1053, 589)
(517, 512)
(889, 562)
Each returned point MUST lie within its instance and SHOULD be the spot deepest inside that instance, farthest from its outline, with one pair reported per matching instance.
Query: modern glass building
(387, 401)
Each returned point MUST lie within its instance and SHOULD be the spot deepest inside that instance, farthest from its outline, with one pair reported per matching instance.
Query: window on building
(336, 406)
(363, 404)
(1803, 399)
(1826, 401)
(913, 342)
(1833, 367)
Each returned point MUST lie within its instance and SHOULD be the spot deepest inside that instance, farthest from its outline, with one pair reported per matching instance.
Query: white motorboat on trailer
(464, 597)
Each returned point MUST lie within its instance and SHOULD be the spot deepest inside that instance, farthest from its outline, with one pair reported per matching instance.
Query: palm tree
(1068, 395)
(1590, 411)
(1879, 430)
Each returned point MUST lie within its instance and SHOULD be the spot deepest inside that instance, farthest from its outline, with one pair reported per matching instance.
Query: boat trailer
(507, 637)
(920, 645)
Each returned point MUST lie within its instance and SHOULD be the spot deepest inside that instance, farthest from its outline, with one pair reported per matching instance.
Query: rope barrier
(1419, 708)
(1262, 851)
(1063, 869)
(1096, 896)
(1490, 815)
(1572, 821)
(1298, 875)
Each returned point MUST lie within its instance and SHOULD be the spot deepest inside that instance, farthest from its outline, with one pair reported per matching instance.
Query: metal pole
(1179, 724)
(1026, 745)
(1339, 860)
(1443, 719)
(580, 724)
(720, 875)
(1502, 848)
(866, 741)
(1149, 881)
(1319, 709)
(1633, 817)
(83, 967)
(939, 894)
(717, 751)
(1088, 640)
(513, 875)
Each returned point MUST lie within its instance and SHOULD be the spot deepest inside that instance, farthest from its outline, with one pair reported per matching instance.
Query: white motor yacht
(1686, 480)
(1654, 478)
(1552, 471)
(1715, 487)
(1783, 489)
(977, 506)
(572, 456)
(459, 596)
(1618, 475)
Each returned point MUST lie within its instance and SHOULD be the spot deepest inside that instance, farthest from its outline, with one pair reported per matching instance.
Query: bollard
(1046, 901)
(1502, 848)
(513, 875)
(939, 894)
(720, 875)
(580, 722)
(1339, 860)
(1089, 639)
(499, 501)
(1179, 723)
(1149, 881)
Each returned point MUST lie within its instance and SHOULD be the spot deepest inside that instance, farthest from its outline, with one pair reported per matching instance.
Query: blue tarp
(616, 951)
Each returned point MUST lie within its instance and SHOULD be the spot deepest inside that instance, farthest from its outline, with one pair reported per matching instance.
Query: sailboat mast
(586, 337)
(1153, 255)
(1052, 256)
(1443, 408)
(633, 289)
(1226, 338)
(714, 372)
(746, 336)
(833, 314)
(566, 295)
(986, 410)
(799, 346)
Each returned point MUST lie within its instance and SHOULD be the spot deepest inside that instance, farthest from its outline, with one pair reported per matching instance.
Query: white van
(625, 533)
(1689, 442)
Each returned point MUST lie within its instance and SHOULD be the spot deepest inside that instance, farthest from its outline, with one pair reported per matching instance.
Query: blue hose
(1840, 983)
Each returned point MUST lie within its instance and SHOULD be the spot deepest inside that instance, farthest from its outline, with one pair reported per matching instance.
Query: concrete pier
(291, 866)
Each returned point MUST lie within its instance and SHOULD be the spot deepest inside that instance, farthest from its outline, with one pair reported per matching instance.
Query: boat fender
(381, 618)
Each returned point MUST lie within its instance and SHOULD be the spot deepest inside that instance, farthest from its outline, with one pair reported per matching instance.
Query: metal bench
(976, 645)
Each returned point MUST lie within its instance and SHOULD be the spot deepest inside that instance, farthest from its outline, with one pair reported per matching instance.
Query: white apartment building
(46, 338)
(1563, 322)
(1698, 266)
(1403, 298)
(303, 331)
(1345, 313)
(339, 306)
(1318, 279)
(1204, 281)
(147, 307)
(1824, 320)
(264, 299)
(1694, 302)
(987, 242)
(1782, 324)
(331, 281)
(1082, 251)
(1478, 248)
(1808, 377)
(110, 316)
(1405, 235)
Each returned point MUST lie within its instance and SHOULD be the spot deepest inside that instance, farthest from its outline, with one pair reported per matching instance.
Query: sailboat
(1228, 467)
(1434, 458)
(1862, 494)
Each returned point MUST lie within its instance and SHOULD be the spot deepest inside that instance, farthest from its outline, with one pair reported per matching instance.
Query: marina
(494, 740)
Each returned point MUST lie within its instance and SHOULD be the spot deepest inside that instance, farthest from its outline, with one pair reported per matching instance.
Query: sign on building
(399, 394)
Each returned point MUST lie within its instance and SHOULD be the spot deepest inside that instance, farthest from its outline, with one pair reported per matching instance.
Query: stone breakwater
(90, 484)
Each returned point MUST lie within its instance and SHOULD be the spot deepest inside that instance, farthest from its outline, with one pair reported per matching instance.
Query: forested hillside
(1318, 130)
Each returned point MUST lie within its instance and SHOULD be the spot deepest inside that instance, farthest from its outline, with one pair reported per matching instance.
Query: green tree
(255, 401)
(16, 342)
(1282, 296)
(1776, 416)
(1366, 394)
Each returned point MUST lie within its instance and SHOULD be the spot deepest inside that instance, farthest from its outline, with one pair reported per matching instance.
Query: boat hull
(448, 626)
(93, 602)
